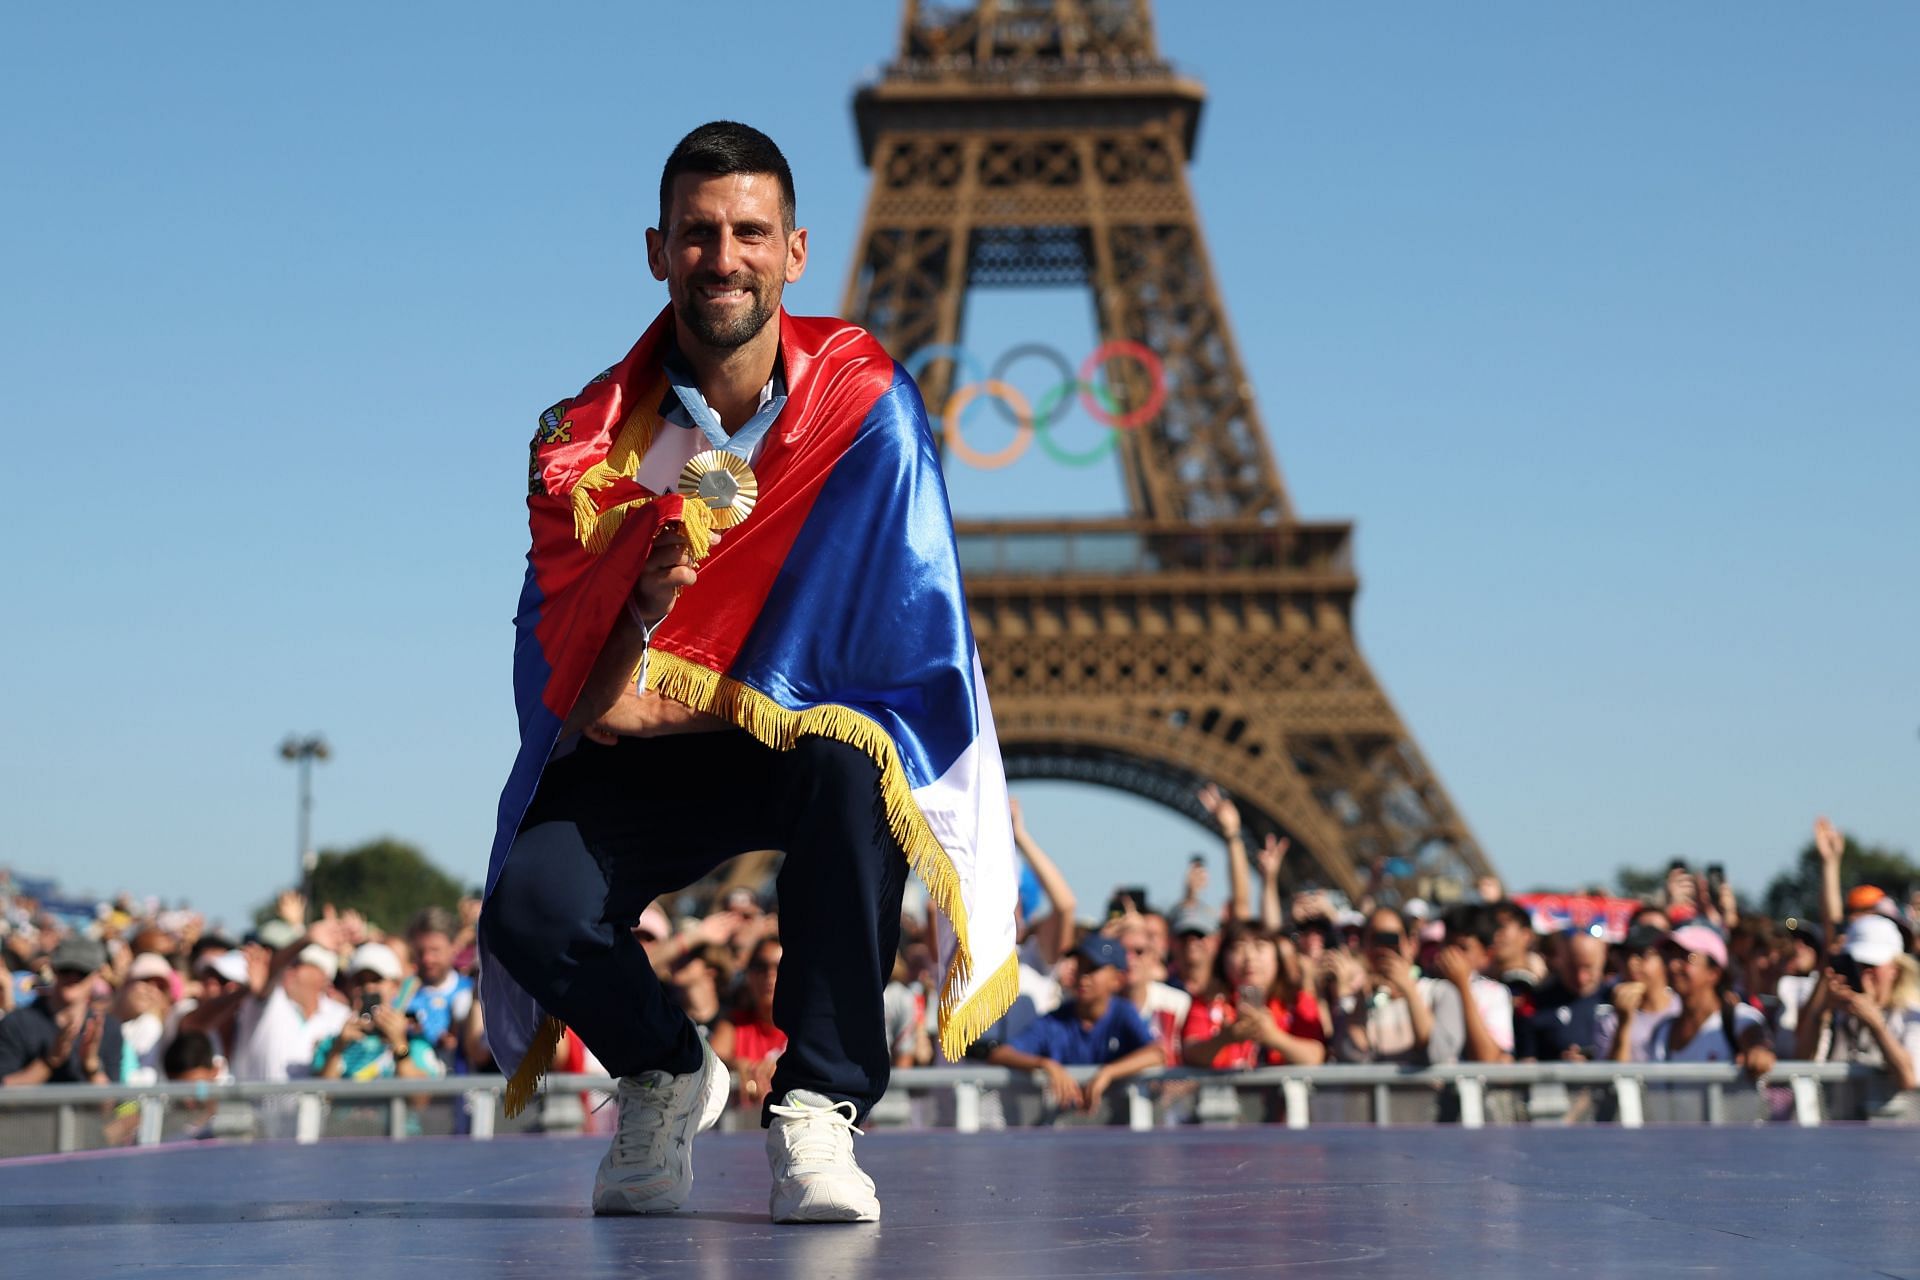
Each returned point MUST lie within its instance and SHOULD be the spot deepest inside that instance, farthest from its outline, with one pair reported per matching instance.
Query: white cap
(374, 957)
(1416, 909)
(231, 965)
(320, 958)
(1874, 939)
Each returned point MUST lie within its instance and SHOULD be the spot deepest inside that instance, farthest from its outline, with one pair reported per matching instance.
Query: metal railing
(963, 1097)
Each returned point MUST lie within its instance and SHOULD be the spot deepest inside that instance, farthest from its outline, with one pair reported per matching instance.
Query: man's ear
(657, 253)
(796, 255)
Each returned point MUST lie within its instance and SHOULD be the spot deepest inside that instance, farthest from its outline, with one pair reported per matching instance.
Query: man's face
(726, 255)
(72, 986)
(1511, 941)
(1091, 984)
(433, 956)
(1582, 963)
(1196, 954)
(763, 972)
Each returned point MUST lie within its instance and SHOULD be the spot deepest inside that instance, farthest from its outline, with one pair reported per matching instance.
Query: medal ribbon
(742, 442)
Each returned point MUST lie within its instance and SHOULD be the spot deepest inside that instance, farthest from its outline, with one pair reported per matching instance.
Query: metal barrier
(961, 1092)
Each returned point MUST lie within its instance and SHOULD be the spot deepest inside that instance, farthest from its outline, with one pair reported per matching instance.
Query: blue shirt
(437, 1008)
(1059, 1035)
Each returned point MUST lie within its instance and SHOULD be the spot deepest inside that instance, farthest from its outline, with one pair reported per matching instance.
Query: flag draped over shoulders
(836, 610)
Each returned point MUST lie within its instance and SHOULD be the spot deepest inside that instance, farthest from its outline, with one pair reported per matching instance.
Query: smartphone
(1383, 940)
(369, 1001)
(1678, 864)
(1716, 876)
(1849, 968)
(1253, 995)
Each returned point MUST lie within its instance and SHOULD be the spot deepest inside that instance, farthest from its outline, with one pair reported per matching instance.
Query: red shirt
(756, 1041)
(1205, 1020)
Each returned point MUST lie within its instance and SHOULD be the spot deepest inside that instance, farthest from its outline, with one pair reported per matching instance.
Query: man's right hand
(1828, 840)
(1066, 1090)
(669, 567)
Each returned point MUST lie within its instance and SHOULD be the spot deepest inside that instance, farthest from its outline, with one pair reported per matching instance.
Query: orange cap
(1864, 897)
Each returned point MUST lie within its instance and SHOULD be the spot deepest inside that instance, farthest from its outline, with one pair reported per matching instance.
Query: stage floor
(1348, 1202)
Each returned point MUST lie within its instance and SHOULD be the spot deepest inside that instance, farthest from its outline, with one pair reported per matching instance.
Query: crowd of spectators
(138, 994)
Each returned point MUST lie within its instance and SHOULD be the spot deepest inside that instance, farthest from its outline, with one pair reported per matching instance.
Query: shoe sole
(835, 1210)
(718, 1087)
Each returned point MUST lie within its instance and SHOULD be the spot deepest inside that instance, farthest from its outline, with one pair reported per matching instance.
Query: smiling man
(742, 628)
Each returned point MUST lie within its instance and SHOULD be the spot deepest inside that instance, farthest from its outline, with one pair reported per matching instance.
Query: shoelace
(821, 1135)
(642, 1133)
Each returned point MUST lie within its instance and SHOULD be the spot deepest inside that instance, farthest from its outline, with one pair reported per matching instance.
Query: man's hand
(1019, 819)
(1397, 971)
(1066, 1090)
(1627, 999)
(1222, 809)
(720, 927)
(669, 567)
(1345, 974)
(1454, 967)
(1828, 841)
(1273, 851)
(354, 1032)
(647, 715)
(1758, 1060)
(391, 1023)
(1860, 1006)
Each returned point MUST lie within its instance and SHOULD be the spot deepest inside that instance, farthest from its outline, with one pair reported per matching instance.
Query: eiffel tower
(1207, 635)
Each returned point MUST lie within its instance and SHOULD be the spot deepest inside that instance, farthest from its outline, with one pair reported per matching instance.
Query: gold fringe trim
(780, 728)
(961, 1027)
(527, 1077)
(595, 528)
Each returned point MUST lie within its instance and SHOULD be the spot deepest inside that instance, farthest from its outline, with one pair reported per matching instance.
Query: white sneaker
(815, 1179)
(649, 1168)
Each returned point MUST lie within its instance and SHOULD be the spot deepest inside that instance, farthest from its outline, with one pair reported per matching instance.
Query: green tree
(1796, 891)
(385, 880)
(1640, 882)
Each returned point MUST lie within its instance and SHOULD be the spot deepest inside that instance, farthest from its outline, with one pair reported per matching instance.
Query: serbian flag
(835, 610)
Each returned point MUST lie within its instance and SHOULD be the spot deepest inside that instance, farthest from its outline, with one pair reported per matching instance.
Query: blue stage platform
(1334, 1202)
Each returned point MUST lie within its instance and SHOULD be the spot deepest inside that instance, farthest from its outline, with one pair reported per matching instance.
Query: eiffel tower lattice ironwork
(1208, 634)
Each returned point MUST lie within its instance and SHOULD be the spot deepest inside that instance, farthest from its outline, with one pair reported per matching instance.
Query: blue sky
(1600, 323)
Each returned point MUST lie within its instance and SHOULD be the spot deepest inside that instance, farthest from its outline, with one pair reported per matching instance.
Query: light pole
(303, 752)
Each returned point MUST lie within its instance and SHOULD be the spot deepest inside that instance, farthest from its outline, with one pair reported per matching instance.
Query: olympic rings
(1092, 384)
(1156, 381)
(957, 405)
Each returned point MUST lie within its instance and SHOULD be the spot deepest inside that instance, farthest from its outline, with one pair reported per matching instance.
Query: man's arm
(1224, 812)
(1052, 883)
(1066, 1090)
(1830, 844)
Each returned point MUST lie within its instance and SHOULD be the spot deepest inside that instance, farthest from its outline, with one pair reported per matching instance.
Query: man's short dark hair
(433, 920)
(190, 1050)
(1471, 920)
(1507, 911)
(724, 147)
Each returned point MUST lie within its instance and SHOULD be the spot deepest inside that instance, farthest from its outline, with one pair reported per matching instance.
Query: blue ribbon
(742, 442)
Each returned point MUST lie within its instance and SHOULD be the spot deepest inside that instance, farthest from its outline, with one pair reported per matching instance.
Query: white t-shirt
(1709, 1044)
(275, 1041)
(1448, 1043)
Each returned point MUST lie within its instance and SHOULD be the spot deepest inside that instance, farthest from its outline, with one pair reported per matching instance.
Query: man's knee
(546, 892)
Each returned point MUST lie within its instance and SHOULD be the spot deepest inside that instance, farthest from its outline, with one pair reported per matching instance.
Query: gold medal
(724, 482)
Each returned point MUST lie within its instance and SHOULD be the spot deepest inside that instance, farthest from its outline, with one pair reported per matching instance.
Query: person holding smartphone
(380, 1041)
(1866, 1005)
(67, 1036)
(1255, 1012)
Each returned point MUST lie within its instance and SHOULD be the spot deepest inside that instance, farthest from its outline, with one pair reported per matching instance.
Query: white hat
(374, 957)
(231, 965)
(1874, 939)
(320, 958)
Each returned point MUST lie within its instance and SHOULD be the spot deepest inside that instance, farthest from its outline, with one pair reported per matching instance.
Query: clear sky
(1601, 322)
